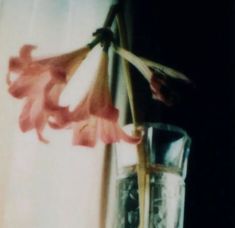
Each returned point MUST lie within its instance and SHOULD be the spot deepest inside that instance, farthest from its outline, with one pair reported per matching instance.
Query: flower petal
(25, 52)
(60, 118)
(100, 102)
(58, 74)
(81, 112)
(40, 125)
(68, 62)
(24, 119)
(41, 82)
(32, 117)
(96, 117)
(85, 133)
(109, 132)
(28, 86)
(52, 94)
(39, 117)
(155, 86)
(136, 61)
(144, 65)
(163, 89)
(128, 138)
(166, 70)
(15, 64)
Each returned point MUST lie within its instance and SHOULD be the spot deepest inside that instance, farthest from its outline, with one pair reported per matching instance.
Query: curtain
(55, 185)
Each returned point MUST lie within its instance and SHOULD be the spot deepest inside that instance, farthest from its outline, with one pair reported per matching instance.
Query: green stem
(105, 183)
(97, 40)
(111, 15)
(123, 43)
(141, 167)
(108, 22)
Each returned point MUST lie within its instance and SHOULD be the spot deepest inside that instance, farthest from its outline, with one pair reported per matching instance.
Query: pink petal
(127, 138)
(39, 131)
(25, 120)
(65, 59)
(39, 117)
(33, 116)
(60, 116)
(68, 62)
(25, 52)
(110, 132)
(16, 64)
(34, 69)
(97, 106)
(58, 73)
(28, 86)
(60, 119)
(84, 133)
(82, 111)
(107, 131)
(52, 94)
(155, 86)
(100, 102)
(41, 82)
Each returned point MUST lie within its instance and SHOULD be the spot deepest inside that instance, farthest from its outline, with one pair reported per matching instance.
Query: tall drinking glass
(167, 149)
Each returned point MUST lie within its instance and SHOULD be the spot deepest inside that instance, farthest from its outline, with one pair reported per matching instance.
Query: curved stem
(111, 15)
(93, 43)
(105, 183)
(123, 43)
(108, 23)
(141, 167)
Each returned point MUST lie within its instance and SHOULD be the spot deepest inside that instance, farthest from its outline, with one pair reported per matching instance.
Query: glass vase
(167, 149)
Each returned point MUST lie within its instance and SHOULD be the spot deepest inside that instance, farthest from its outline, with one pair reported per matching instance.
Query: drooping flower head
(40, 82)
(162, 79)
(96, 117)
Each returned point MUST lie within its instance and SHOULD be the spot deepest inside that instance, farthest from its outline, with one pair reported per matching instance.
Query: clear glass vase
(167, 149)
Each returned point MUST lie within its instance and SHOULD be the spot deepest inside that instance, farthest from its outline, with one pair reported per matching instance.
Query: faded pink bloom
(163, 80)
(40, 82)
(96, 117)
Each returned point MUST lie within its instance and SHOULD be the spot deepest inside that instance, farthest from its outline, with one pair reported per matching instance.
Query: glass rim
(166, 126)
(171, 129)
(162, 126)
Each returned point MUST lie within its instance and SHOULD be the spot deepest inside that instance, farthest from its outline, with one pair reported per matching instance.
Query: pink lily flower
(161, 78)
(96, 117)
(40, 82)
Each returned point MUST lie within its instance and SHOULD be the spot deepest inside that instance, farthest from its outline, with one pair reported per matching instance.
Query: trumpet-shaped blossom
(96, 117)
(162, 79)
(40, 82)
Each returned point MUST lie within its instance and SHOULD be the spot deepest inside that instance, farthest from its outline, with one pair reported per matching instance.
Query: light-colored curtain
(55, 185)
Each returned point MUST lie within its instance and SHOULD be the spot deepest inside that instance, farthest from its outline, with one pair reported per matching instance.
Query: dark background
(197, 38)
